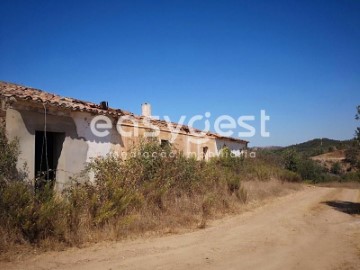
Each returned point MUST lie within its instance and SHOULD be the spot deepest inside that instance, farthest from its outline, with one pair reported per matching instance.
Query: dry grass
(180, 214)
(335, 155)
(350, 184)
(133, 198)
(260, 190)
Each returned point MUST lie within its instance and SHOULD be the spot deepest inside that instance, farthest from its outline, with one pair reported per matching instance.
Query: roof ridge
(15, 90)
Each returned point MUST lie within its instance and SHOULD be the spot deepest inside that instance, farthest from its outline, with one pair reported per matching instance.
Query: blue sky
(298, 60)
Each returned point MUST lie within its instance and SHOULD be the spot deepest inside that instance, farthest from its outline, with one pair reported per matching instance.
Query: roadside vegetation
(141, 195)
(316, 171)
(321, 161)
(148, 193)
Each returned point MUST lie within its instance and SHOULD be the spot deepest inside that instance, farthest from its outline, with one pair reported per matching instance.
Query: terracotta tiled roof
(26, 93)
(11, 90)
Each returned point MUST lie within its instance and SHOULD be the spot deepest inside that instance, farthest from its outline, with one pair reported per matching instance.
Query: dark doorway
(48, 146)
(205, 150)
(165, 143)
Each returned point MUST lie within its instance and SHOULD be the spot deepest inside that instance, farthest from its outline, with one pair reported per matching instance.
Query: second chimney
(146, 109)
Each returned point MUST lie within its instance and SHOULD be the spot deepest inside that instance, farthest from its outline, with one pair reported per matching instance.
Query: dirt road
(316, 228)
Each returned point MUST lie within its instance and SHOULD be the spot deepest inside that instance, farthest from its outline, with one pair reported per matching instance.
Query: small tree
(357, 117)
(336, 168)
(291, 160)
(8, 158)
(310, 170)
(352, 154)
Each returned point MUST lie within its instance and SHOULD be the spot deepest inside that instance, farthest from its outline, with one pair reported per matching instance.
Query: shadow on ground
(350, 208)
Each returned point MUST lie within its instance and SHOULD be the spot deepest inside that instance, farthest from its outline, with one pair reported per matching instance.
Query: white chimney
(146, 109)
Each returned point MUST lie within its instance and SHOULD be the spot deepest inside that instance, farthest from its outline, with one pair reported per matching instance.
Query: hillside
(318, 146)
(337, 155)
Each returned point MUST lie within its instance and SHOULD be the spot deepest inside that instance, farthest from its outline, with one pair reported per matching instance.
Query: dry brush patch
(260, 190)
(336, 184)
(138, 196)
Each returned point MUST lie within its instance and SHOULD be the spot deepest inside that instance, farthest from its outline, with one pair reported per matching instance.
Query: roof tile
(26, 93)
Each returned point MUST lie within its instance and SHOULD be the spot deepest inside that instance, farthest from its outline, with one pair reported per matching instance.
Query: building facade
(56, 135)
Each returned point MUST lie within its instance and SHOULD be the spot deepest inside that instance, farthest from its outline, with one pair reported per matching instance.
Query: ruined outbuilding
(55, 134)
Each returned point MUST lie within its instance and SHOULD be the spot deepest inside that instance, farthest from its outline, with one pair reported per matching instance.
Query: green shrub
(289, 176)
(351, 177)
(31, 216)
(352, 155)
(112, 194)
(9, 154)
(310, 170)
(291, 160)
(336, 168)
(145, 184)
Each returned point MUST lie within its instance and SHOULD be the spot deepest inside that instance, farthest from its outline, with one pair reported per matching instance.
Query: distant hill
(266, 147)
(317, 147)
